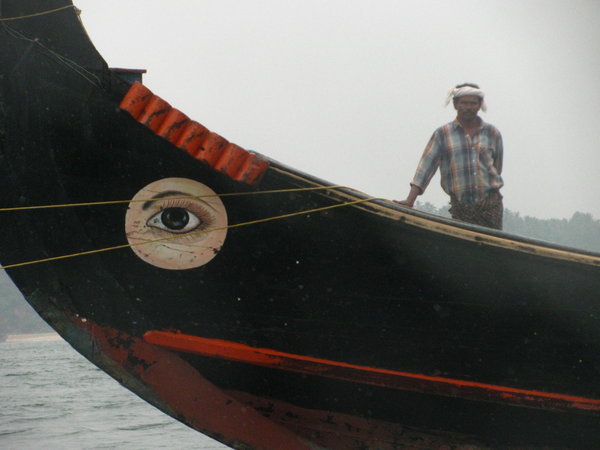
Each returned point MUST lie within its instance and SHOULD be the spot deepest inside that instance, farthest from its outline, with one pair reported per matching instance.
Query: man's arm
(428, 165)
(409, 201)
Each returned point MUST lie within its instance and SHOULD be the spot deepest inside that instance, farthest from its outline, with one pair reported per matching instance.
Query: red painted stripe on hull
(369, 375)
(171, 381)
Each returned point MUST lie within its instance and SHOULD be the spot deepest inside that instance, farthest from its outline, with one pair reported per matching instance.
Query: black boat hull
(323, 318)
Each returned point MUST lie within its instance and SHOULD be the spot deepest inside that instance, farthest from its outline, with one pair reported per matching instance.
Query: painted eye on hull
(176, 224)
(175, 220)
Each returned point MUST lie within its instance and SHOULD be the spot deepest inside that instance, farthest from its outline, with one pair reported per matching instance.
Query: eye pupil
(175, 218)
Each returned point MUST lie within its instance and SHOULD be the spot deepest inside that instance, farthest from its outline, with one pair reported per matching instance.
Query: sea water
(53, 398)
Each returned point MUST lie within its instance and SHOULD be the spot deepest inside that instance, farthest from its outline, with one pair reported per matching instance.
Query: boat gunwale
(441, 225)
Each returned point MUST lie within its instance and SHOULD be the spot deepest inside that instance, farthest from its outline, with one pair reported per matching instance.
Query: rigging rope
(42, 13)
(114, 202)
(83, 72)
(192, 233)
(74, 66)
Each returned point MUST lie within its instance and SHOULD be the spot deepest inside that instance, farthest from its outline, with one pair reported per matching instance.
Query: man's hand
(405, 202)
(409, 201)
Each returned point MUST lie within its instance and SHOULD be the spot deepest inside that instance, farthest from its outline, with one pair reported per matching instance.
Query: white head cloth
(466, 90)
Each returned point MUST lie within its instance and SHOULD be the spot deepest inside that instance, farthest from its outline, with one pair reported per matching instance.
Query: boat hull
(322, 318)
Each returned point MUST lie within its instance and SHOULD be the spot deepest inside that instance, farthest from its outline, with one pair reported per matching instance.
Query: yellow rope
(27, 16)
(114, 202)
(252, 222)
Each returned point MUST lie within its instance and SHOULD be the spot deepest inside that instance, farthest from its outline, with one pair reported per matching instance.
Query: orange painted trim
(191, 137)
(232, 159)
(154, 113)
(393, 379)
(172, 127)
(204, 145)
(135, 100)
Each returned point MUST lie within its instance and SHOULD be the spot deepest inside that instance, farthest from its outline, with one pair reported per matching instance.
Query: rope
(192, 233)
(89, 76)
(73, 66)
(42, 13)
(114, 202)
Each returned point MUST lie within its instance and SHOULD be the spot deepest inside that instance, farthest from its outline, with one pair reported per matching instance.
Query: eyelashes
(182, 217)
(175, 220)
(179, 217)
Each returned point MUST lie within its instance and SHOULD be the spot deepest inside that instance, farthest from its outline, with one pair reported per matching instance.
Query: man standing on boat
(469, 153)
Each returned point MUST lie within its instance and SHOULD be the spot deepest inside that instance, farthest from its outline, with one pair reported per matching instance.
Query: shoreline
(32, 337)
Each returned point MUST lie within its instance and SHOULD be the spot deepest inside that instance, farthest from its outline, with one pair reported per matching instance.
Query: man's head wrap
(466, 89)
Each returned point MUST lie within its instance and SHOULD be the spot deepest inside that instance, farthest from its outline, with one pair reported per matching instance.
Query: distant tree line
(16, 316)
(580, 231)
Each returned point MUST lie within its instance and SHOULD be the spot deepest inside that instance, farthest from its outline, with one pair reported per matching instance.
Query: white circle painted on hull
(176, 224)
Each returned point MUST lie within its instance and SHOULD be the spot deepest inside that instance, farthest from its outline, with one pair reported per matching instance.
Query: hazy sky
(350, 91)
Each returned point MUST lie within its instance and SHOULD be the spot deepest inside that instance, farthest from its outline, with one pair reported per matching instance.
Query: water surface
(52, 397)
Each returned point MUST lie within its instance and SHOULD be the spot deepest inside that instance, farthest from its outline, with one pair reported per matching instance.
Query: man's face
(467, 107)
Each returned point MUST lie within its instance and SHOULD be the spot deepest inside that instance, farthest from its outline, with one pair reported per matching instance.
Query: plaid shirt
(470, 166)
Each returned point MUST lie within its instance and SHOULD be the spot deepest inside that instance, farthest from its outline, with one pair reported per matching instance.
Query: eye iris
(175, 218)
